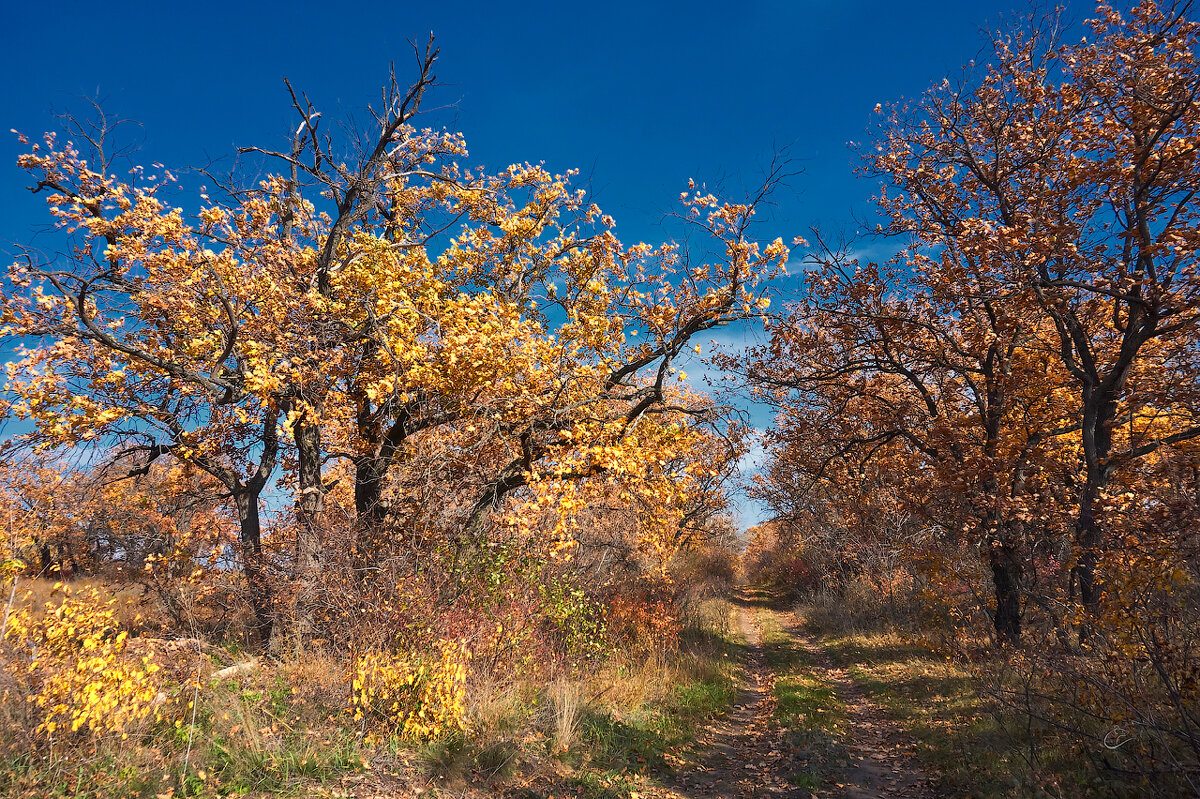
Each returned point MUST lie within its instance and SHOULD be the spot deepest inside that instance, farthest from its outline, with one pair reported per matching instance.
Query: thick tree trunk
(370, 479)
(370, 475)
(254, 566)
(1099, 412)
(1006, 580)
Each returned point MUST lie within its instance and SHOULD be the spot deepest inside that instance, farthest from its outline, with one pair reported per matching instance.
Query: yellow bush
(83, 680)
(416, 700)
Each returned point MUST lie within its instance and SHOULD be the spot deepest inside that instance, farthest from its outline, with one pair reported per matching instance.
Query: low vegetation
(221, 722)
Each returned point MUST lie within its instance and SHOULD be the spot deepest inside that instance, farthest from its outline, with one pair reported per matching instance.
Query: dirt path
(741, 754)
(747, 754)
(882, 762)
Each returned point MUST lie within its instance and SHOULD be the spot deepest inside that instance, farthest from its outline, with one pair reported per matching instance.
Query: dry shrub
(705, 572)
(633, 678)
(863, 604)
(1125, 698)
(644, 618)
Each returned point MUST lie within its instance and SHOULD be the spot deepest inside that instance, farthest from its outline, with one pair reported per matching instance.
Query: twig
(8, 608)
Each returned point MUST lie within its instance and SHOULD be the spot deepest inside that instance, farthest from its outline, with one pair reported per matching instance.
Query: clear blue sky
(640, 96)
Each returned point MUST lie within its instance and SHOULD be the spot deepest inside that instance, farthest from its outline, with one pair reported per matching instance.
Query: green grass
(703, 698)
(282, 767)
(614, 748)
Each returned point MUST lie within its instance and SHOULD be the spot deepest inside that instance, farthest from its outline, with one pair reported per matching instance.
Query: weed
(446, 759)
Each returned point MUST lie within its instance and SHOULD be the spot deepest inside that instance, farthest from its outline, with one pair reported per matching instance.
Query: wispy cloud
(746, 510)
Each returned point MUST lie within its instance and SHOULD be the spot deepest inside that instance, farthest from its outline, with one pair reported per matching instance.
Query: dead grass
(565, 704)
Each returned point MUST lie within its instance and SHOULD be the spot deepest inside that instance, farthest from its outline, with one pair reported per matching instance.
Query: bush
(416, 699)
(81, 677)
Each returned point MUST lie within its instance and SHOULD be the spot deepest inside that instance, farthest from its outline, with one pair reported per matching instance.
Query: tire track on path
(882, 759)
(741, 755)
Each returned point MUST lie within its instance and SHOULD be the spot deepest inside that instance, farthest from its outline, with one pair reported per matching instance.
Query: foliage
(401, 326)
(83, 680)
(365, 406)
(415, 698)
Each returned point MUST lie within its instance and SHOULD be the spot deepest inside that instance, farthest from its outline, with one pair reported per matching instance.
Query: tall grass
(565, 704)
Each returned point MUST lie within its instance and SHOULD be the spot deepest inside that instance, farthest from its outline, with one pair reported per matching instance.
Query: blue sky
(639, 96)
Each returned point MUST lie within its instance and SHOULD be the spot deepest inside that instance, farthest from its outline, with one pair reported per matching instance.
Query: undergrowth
(604, 728)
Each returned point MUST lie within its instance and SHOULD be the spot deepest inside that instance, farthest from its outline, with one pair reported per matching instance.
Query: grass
(280, 767)
(936, 701)
(802, 699)
(625, 747)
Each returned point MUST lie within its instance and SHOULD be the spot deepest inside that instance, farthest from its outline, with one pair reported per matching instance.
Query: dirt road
(749, 753)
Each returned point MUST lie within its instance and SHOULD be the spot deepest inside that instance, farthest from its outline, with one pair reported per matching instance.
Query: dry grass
(496, 707)
(565, 705)
(627, 682)
(319, 685)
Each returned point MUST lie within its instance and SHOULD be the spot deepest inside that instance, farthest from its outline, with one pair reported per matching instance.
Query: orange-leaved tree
(1068, 174)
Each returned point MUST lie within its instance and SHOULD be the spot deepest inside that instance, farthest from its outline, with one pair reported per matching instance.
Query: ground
(800, 726)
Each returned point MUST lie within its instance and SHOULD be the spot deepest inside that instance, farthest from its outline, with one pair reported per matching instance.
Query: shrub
(82, 678)
(413, 699)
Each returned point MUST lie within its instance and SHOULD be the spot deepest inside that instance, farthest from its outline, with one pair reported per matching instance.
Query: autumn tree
(893, 376)
(1021, 375)
(1068, 173)
(42, 520)
(373, 299)
(1046, 209)
(148, 349)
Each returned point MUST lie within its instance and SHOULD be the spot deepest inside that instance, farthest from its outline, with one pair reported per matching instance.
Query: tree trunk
(1006, 579)
(370, 479)
(310, 507)
(1099, 412)
(254, 566)
(370, 475)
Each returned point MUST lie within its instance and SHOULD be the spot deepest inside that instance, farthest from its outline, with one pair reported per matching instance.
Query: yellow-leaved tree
(369, 304)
